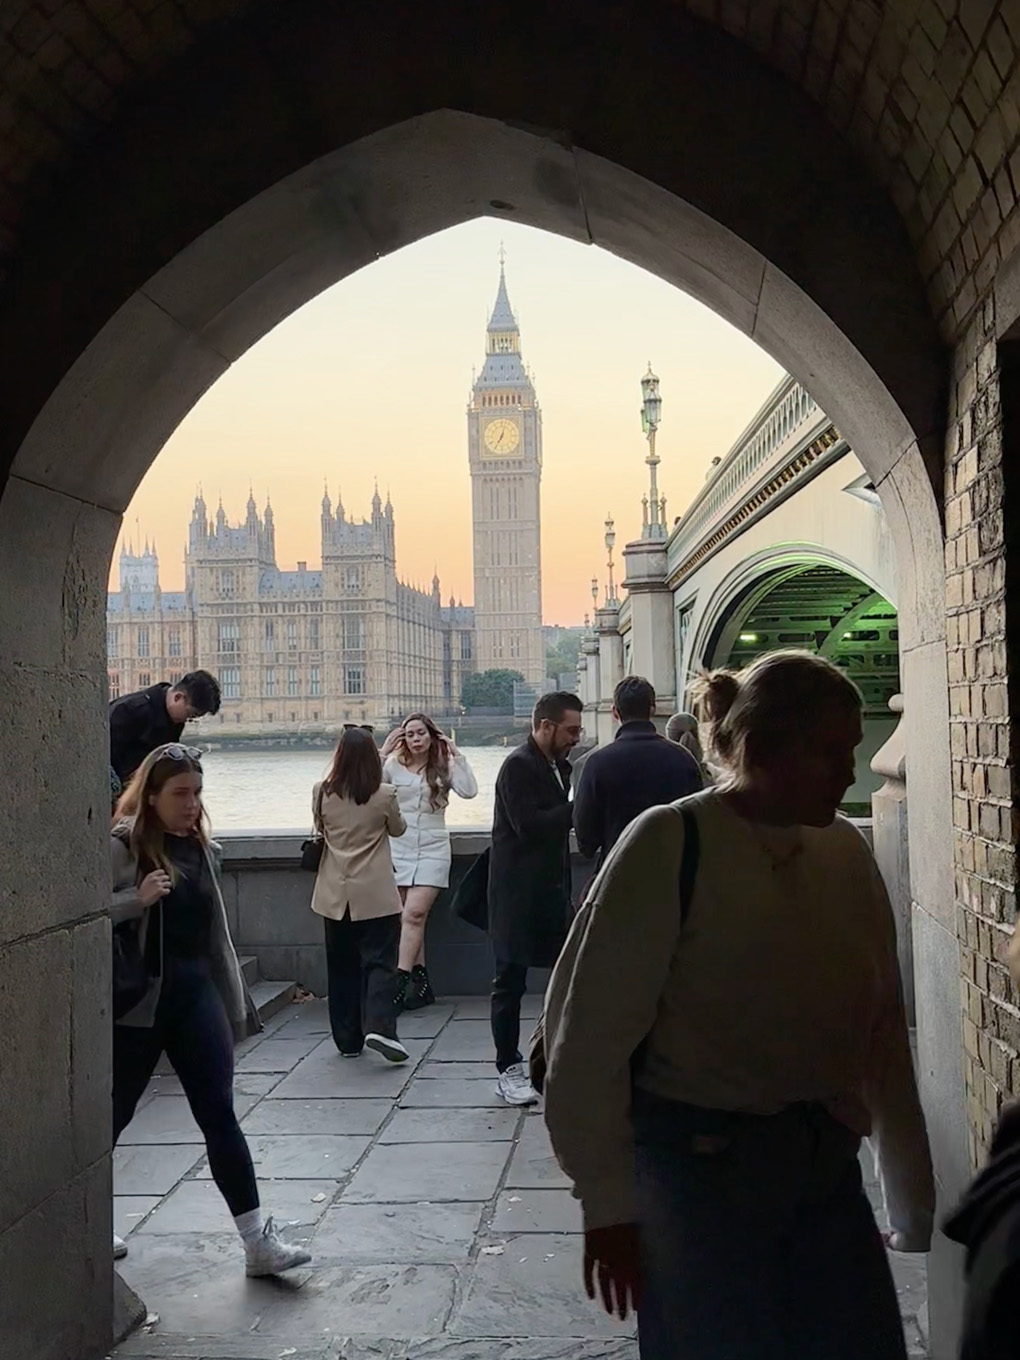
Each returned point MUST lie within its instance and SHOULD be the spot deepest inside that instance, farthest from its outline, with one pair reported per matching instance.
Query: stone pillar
(56, 1268)
(891, 844)
(589, 693)
(653, 653)
(607, 627)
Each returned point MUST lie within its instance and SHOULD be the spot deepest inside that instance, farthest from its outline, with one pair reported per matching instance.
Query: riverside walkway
(440, 1226)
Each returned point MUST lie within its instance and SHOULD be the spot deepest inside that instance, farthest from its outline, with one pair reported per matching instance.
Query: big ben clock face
(501, 437)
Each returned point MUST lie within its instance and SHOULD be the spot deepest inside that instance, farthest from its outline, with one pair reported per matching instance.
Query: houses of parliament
(349, 641)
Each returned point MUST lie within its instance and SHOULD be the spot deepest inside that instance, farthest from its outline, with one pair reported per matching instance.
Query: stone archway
(192, 245)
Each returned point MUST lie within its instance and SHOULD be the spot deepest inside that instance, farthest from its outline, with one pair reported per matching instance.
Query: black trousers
(191, 1027)
(508, 987)
(361, 964)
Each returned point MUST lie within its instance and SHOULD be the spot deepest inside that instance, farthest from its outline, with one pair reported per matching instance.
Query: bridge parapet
(790, 437)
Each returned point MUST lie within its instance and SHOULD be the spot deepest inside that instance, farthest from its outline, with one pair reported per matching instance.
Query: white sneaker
(391, 1049)
(515, 1087)
(119, 1248)
(268, 1254)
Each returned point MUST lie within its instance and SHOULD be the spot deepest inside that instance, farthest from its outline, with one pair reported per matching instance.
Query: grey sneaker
(391, 1049)
(515, 1086)
(119, 1248)
(269, 1254)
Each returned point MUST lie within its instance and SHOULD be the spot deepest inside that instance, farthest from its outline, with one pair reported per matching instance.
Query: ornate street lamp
(610, 541)
(651, 414)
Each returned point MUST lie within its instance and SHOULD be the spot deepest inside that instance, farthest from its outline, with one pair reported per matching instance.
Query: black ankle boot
(420, 992)
(403, 988)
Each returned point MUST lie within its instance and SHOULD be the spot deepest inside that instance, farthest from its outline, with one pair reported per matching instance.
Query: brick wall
(978, 572)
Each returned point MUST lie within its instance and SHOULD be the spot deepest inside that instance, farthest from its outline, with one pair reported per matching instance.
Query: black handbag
(130, 975)
(471, 899)
(311, 850)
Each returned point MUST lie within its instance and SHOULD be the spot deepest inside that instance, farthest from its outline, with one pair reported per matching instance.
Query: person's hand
(899, 1241)
(153, 887)
(451, 748)
(392, 742)
(612, 1261)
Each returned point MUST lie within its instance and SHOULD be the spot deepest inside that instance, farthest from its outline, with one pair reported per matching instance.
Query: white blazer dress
(421, 856)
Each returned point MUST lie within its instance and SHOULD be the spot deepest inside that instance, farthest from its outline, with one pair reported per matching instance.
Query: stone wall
(268, 904)
(980, 703)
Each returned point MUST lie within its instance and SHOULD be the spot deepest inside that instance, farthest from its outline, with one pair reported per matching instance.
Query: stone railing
(785, 439)
(268, 907)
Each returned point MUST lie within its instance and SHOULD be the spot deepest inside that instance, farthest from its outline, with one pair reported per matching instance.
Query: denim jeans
(757, 1238)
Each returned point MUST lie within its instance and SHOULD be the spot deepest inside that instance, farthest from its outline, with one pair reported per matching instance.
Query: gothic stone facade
(505, 456)
(347, 643)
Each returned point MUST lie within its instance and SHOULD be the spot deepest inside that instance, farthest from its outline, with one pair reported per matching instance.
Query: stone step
(270, 997)
(250, 968)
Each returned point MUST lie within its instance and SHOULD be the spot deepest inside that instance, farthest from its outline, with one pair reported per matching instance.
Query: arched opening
(822, 608)
(686, 172)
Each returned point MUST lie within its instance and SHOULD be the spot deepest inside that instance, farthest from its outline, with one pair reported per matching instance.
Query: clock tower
(505, 455)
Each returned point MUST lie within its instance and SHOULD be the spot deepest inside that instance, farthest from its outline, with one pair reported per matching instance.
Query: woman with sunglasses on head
(356, 893)
(424, 766)
(195, 1004)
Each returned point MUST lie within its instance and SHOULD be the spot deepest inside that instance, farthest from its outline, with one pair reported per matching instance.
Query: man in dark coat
(638, 770)
(529, 874)
(148, 718)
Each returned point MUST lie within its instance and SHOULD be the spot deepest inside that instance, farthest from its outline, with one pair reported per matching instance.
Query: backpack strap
(689, 861)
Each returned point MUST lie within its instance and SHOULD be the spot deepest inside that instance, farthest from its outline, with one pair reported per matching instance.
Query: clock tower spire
(505, 457)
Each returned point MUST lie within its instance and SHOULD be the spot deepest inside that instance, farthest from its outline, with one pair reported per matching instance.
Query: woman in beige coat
(356, 893)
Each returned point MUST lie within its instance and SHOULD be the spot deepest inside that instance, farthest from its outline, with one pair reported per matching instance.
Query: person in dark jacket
(148, 718)
(987, 1223)
(638, 770)
(529, 874)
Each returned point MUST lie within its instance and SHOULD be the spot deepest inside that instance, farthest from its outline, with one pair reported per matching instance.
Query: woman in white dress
(423, 765)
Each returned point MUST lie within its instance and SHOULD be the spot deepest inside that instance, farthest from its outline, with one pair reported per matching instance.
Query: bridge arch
(253, 171)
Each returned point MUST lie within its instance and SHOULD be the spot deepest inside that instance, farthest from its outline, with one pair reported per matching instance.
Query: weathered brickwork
(927, 92)
(984, 817)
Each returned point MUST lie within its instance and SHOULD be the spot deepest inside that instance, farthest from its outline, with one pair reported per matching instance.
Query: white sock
(249, 1225)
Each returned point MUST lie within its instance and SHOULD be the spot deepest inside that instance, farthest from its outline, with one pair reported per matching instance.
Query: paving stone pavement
(441, 1227)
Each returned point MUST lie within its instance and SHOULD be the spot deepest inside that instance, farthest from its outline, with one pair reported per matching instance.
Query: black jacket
(139, 723)
(638, 770)
(529, 864)
(987, 1223)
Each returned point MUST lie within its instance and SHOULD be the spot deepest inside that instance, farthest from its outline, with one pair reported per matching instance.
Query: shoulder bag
(311, 850)
(130, 975)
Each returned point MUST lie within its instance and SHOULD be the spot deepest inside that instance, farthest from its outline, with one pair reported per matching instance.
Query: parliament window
(230, 682)
(354, 680)
(314, 684)
(143, 642)
(292, 681)
(228, 636)
(270, 680)
(270, 635)
(292, 636)
(174, 642)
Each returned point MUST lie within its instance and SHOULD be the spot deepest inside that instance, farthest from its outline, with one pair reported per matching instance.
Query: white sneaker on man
(515, 1086)
(119, 1248)
(391, 1049)
(269, 1254)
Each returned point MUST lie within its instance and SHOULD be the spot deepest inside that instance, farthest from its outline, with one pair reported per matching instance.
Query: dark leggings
(757, 1238)
(191, 1027)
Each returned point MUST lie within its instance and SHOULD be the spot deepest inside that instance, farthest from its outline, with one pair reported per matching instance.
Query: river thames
(271, 790)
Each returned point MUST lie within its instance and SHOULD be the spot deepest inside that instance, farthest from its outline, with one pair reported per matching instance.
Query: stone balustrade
(268, 907)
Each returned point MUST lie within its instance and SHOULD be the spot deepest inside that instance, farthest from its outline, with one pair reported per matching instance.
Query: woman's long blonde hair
(775, 701)
(145, 833)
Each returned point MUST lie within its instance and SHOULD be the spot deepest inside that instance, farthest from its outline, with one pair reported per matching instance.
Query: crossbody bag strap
(688, 861)
(318, 810)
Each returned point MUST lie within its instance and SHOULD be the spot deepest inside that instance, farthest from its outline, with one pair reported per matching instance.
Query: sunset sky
(371, 380)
